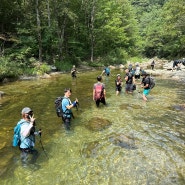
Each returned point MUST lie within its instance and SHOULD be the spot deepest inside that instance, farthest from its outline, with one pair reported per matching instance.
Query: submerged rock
(96, 124)
(90, 149)
(5, 161)
(123, 141)
(180, 107)
(130, 106)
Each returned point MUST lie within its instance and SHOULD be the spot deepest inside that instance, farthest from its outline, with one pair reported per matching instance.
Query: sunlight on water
(133, 143)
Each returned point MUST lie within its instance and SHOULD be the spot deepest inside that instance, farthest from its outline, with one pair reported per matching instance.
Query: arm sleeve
(25, 130)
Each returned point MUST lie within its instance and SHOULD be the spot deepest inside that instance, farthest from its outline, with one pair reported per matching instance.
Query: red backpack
(98, 92)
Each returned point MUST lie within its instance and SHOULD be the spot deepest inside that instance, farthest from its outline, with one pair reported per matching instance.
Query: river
(141, 143)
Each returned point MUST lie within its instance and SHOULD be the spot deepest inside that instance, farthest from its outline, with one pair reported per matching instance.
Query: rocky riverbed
(163, 68)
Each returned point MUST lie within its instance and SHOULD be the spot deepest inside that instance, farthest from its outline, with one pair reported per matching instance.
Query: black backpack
(58, 106)
(151, 83)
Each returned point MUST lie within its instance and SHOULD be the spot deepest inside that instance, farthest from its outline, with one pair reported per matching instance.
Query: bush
(9, 69)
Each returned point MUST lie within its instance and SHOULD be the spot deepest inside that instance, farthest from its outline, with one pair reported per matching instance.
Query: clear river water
(127, 142)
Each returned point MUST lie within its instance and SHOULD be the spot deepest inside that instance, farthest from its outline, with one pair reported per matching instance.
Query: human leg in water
(28, 156)
(67, 123)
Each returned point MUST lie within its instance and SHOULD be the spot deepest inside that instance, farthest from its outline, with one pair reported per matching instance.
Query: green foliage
(41, 69)
(107, 31)
(173, 28)
(9, 69)
(137, 59)
(63, 65)
(117, 56)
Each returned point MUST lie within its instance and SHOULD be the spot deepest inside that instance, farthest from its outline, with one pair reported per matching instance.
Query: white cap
(26, 110)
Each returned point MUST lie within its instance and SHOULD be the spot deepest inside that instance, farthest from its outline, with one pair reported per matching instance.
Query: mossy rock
(90, 149)
(130, 106)
(123, 141)
(180, 107)
(96, 124)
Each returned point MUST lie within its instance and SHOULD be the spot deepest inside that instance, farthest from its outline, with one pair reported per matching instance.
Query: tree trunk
(49, 15)
(92, 36)
(39, 31)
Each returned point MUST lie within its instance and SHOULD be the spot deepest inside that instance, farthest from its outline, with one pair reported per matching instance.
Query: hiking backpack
(98, 91)
(58, 106)
(107, 70)
(151, 83)
(17, 135)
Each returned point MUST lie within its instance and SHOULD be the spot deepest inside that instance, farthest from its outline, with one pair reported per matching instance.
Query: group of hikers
(131, 78)
(25, 138)
(177, 64)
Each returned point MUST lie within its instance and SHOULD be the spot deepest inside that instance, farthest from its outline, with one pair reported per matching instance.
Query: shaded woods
(63, 32)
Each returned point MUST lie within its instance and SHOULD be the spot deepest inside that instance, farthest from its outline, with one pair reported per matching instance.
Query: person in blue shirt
(67, 105)
(106, 71)
(27, 134)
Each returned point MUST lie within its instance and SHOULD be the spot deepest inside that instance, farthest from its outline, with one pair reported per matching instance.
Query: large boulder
(123, 141)
(96, 124)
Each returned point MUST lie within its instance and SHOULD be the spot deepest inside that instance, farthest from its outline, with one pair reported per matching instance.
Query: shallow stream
(127, 142)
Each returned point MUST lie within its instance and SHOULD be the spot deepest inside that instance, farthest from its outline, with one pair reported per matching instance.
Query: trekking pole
(42, 144)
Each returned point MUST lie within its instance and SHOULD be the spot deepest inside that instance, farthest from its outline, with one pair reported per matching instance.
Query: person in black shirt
(145, 84)
(130, 80)
(118, 83)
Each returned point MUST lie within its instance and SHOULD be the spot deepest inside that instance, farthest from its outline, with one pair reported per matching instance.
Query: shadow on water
(126, 142)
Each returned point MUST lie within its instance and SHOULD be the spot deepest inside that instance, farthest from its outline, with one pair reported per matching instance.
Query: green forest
(37, 34)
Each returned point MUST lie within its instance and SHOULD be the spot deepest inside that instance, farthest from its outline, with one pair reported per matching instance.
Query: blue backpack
(17, 136)
(107, 70)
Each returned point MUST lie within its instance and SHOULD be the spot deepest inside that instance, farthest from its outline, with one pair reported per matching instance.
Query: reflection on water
(142, 144)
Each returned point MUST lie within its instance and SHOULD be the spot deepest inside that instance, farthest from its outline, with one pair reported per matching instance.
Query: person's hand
(32, 119)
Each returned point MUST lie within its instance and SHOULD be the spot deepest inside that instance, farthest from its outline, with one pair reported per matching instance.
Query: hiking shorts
(137, 76)
(102, 100)
(118, 88)
(129, 87)
(146, 92)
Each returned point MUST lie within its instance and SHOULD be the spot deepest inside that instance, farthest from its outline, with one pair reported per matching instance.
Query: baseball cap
(118, 75)
(26, 110)
(144, 73)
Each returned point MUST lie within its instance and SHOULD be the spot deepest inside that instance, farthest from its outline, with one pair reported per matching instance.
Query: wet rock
(121, 66)
(90, 149)
(180, 107)
(130, 106)
(123, 141)
(112, 67)
(96, 124)
(45, 76)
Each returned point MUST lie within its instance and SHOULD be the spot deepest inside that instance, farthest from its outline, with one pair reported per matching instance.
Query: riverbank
(163, 68)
